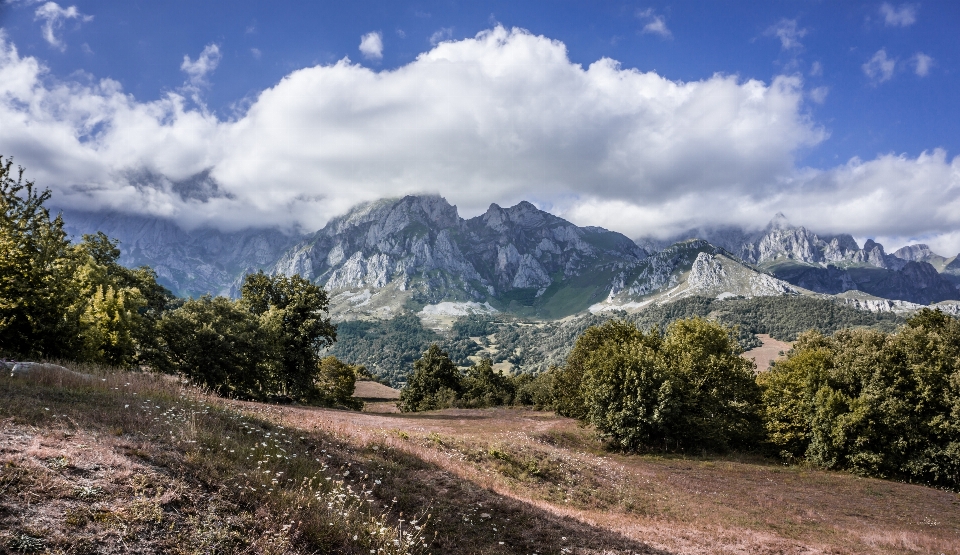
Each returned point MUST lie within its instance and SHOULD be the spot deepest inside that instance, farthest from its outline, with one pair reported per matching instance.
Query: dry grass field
(769, 352)
(132, 463)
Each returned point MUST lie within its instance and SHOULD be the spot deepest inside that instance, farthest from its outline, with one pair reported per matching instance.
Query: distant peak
(494, 208)
(779, 221)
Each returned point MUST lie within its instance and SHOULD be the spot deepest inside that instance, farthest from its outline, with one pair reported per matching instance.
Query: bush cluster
(884, 404)
(686, 389)
(437, 383)
(878, 404)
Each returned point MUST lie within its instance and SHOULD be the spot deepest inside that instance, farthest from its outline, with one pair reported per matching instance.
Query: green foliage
(335, 383)
(35, 270)
(786, 317)
(568, 381)
(218, 344)
(265, 345)
(474, 325)
(388, 347)
(878, 404)
(434, 384)
(290, 311)
(483, 387)
(687, 389)
(118, 308)
(68, 301)
(535, 390)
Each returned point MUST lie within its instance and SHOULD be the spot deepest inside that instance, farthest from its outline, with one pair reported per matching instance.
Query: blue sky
(841, 114)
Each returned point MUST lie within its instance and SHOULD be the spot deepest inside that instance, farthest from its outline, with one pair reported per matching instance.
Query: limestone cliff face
(409, 243)
(835, 264)
(693, 267)
(418, 247)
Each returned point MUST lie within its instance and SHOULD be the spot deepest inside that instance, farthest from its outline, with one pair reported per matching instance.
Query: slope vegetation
(127, 462)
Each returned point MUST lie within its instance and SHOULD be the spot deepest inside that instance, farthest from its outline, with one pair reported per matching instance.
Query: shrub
(878, 404)
(335, 383)
(434, 384)
(687, 389)
(483, 387)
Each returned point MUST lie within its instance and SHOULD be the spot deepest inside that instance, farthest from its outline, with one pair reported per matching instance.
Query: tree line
(75, 301)
(884, 404)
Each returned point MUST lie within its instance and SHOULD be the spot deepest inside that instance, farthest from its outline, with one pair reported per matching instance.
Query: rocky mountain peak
(779, 221)
(915, 253)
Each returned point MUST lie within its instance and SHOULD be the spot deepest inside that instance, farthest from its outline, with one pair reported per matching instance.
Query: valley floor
(491, 481)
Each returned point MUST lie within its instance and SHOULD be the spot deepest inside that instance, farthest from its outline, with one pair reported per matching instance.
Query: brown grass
(366, 389)
(89, 474)
(771, 350)
(669, 504)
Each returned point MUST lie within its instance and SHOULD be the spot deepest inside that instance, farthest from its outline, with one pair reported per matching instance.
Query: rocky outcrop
(419, 245)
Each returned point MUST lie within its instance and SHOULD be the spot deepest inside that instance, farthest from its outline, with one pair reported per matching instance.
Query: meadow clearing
(120, 462)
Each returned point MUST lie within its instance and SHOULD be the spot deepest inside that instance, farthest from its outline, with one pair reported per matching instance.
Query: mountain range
(417, 253)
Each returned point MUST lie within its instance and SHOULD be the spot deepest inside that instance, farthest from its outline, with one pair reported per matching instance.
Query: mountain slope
(189, 263)
(416, 251)
(835, 264)
(689, 268)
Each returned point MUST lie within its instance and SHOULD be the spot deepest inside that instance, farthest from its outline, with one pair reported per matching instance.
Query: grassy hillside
(128, 462)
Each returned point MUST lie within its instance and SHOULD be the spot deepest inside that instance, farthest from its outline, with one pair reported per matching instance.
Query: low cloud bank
(501, 117)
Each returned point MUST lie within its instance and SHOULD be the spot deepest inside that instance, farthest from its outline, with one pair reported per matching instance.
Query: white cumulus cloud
(904, 16)
(501, 117)
(880, 68)
(371, 46)
(53, 17)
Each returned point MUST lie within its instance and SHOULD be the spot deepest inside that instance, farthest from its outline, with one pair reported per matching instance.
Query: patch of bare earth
(772, 349)
(366, 389)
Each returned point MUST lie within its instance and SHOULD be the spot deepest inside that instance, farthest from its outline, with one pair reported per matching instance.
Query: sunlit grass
(286, 489)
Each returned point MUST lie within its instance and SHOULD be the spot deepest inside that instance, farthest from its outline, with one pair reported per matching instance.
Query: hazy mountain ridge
(834, 264)
(391, 255)
(189, 263)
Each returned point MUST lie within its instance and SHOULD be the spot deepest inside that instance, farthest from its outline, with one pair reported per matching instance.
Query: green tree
(483, 387)
(117, 307)
(434, 384)
(877, 404)
(536, 390)
(291, 313)
(686, 389)
(34, 272)
(108, 326)
(335, 383)
(720, 401)
(568, 381)
(789, 391)
(218, 344)
(627, 395)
